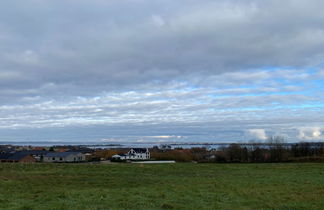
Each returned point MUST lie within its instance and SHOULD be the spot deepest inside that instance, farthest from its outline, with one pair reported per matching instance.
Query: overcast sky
(162, 70)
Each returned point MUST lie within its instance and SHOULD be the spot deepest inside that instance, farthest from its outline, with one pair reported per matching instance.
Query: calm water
(113, 144)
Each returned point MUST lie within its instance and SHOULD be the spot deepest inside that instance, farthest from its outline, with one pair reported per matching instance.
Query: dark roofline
(13, 156)
(61, 154)
(140, 150)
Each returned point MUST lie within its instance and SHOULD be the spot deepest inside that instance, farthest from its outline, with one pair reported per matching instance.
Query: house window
(61, 158)
(53, 158)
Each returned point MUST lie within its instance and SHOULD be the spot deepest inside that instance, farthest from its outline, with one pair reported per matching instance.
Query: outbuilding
(17, 157)
(64, 157)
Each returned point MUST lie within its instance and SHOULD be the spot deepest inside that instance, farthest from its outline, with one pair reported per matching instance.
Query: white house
(119, 157)
(139, 154)
(134, 154)
(62, 157)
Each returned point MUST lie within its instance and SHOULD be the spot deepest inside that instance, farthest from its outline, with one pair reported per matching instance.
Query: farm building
(120, 157)
(37, 154)
(62, 157)
(17, 157)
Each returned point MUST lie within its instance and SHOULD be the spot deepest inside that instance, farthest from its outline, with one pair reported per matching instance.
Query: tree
(277, 149)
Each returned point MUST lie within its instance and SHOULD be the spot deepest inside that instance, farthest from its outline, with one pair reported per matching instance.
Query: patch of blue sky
(299, 106)
(310, 69)
(287, 81)
(319, 83)
(239, 109)
(276, 68)
(314, 107)
(276, 93)
(192, 87)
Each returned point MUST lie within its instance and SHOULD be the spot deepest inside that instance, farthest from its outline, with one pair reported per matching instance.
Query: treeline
(252, 153)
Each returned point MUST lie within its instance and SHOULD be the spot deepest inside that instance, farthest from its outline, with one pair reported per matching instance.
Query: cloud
(113, 63)
(259, 134)
(311, 133)
(7, 75)
(158, 20)
(115, 42)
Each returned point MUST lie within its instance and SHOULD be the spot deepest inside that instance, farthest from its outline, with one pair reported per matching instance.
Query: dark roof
(18, 156)
(5, 156)
(5, 149)
(33, 152)
(82, 150)
(13, 156)
(140, 150)
(61, 154)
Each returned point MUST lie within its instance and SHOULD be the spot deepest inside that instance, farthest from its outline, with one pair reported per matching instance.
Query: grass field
(174, 186)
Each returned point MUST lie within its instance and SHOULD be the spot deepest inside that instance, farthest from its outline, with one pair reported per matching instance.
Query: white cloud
(311, 133)
(158, 20)
(259, 134)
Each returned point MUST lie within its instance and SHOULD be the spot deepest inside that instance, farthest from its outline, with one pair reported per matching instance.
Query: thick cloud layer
(249, 68)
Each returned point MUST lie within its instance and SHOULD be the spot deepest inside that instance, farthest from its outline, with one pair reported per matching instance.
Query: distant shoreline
(173, 145)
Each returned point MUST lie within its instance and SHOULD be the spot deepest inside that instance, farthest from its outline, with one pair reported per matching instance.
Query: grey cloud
(116, 43)
(139, 62)
(159, 107)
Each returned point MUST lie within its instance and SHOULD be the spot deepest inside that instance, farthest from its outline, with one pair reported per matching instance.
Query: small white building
(63, 157)
(119, 157)
(134, 154)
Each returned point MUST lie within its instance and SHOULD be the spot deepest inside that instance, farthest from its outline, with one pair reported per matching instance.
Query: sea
(112, 145)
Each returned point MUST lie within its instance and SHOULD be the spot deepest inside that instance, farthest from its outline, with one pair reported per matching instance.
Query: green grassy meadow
(162, 186)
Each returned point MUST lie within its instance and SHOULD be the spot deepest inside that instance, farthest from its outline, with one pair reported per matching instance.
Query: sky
(162, 70)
